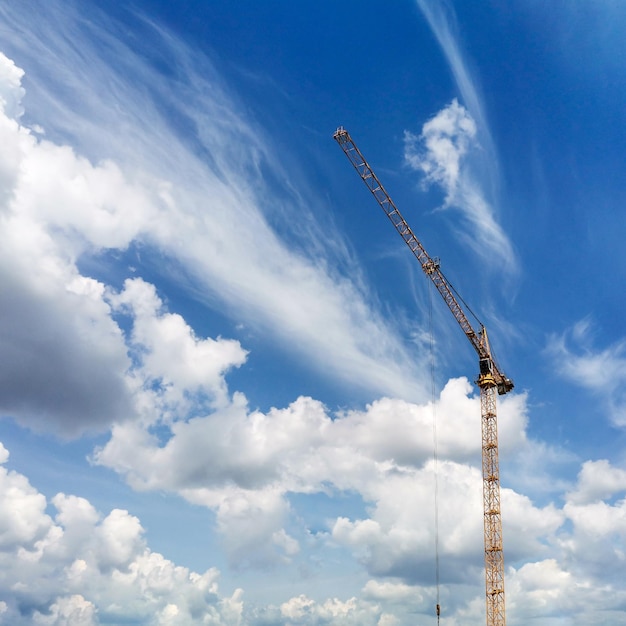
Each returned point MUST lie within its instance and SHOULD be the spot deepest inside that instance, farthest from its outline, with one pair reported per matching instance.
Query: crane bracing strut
(490, 380)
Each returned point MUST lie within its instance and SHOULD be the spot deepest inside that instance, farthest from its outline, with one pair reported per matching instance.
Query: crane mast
(490, 380)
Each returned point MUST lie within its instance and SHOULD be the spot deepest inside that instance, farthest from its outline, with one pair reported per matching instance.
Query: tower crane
(490, 380)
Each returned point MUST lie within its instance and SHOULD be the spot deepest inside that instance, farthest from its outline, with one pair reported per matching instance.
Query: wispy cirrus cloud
(442, 153)
(601, 371)
(141, 143)
(455, 149)
(442, 21)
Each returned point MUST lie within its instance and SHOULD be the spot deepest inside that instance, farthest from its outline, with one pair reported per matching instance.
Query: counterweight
(490, 379)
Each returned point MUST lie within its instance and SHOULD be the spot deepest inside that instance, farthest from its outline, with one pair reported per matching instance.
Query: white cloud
(303, 610)
(22, 519)
(442, 154)
(11, 93)
(67, 366)
(251, 524)
(64, 357)
(588, 367)
(442, 21)
(301, 449)
(528, 529)
(598, 480)
(168, 355)
(200, 200)
(11, 90)
(375, 590)
(447, 137)
(79, 558)
(80, 567)
(461, 148)
(583, 577)
(244, 465)
(68, 611)
(596, 509)
(599, 520)
(537, 591)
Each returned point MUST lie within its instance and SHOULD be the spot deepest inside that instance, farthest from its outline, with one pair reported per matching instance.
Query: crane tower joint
(485, 381)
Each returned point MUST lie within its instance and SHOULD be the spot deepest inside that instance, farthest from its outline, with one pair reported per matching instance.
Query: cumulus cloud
(68, 611)
(596, 508)
(169, 360)
(246, 464)
(583, 576)
(64, 356)
(63, 562)
(303, 610)
(11, 90)
(598, 480)
(11, 93)
(80, 568)
(22, 519)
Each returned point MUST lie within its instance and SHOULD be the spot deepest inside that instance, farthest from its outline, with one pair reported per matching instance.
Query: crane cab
(486, 366)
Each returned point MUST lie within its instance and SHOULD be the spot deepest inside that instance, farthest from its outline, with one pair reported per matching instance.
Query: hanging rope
(435, 451)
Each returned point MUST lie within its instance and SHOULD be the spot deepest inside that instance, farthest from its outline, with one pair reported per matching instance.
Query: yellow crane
(490, 380)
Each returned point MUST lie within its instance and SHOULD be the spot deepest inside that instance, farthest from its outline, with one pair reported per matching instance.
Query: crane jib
(430, 266)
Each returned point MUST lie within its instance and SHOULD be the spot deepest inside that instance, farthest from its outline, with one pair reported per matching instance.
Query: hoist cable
(435, 443)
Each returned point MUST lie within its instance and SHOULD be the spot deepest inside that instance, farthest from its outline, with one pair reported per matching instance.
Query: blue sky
(216, 388)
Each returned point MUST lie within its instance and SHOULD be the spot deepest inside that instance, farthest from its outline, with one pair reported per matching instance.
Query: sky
(228, 393)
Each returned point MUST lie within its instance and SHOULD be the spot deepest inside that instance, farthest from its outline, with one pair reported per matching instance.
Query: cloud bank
(63, 562)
